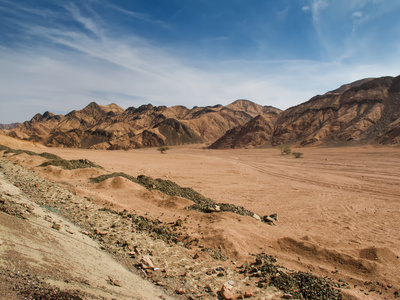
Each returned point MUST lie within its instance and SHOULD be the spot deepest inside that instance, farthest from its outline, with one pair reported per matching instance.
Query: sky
(59, 56)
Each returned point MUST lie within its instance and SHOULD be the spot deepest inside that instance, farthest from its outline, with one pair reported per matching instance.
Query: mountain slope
(111, 127)
(365, 111)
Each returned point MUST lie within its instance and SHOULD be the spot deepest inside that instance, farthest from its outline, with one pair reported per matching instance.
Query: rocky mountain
(111, 127)
(363, 112)
(8, 126)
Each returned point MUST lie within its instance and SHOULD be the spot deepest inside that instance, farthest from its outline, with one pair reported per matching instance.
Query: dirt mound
(119, 183)
(382, 255)
(310, 250)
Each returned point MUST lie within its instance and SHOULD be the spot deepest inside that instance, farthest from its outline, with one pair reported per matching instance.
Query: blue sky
(61, 55)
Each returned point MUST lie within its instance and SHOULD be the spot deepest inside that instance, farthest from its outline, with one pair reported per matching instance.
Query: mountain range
(363, 112)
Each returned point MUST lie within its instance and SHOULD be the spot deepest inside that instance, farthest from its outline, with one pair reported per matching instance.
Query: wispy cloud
(65, 67)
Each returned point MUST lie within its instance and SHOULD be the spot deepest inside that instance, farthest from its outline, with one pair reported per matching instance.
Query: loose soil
(336, 227)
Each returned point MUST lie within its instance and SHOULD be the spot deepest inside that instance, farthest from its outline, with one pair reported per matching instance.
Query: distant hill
(111, 127)
(364, 112)
(9, 126)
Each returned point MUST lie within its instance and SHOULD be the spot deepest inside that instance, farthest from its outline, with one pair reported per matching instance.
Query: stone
(268, 219)
(113, 281)
(98, 232)
(248, 294)
(274, 216)
(147, 262)
(181, 291)
(225, 292)
(257, 217)
(56, 226)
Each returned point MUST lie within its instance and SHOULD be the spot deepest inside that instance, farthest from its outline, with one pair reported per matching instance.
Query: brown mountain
(365, 111)
(111, 127)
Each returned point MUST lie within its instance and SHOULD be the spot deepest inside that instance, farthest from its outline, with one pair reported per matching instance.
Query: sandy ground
(338, 208)
(31, 249)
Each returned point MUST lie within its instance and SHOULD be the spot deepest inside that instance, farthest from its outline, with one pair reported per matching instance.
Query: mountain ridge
(366, 111)
(111, 127)
(363, 112)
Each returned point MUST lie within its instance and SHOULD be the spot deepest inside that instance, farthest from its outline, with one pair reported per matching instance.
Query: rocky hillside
(364, 112)
(111, 127)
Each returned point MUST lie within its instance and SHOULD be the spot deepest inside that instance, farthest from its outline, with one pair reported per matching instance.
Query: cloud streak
(66, 67)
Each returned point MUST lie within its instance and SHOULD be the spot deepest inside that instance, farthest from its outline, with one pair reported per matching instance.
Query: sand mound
(57, 173)
(383, 255)
(28, 160)
(119, 183)
(312, 251)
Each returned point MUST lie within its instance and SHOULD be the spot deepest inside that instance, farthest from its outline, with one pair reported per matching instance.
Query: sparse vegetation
(285, 150)
(297, 154)
(170, 188)
(162, 149)
(71, 164)
(19, 151)
(112, 175)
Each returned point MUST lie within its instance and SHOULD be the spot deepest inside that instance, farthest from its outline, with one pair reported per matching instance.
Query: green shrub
(297, 154)
(285, 150)
(162, 149)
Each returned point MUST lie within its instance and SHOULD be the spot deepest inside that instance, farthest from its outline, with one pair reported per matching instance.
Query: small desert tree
(297, 154)
(162, 149)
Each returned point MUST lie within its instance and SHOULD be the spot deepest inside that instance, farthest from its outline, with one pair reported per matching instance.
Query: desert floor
(338, 208)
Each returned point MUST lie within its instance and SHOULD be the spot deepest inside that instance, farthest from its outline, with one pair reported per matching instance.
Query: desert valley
(90, 208)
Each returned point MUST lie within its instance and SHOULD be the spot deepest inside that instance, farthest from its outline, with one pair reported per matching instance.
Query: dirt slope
(49, 261)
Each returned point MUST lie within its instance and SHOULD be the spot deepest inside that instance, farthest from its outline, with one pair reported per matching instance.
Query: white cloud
(94, 65)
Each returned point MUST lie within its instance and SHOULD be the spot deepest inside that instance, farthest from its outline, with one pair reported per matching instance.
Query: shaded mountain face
(364, 112)
(356, 116)
(111, 127)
